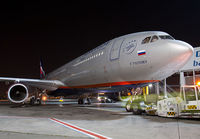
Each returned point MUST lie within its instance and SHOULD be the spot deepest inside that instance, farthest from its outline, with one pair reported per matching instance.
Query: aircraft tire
(39, 102)
(32, 101)
(80, 101)
(89, 101)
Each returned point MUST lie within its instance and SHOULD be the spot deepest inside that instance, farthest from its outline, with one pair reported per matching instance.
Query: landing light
(150, 85)
(198, 83)
(44, 98)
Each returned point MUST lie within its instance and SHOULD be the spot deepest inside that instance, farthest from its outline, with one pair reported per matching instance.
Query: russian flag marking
(142, 52)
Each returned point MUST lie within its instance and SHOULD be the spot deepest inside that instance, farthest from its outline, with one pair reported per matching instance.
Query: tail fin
(42, 73)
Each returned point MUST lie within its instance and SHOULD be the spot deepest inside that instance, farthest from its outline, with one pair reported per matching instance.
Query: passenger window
(146, 40)
(154, 38)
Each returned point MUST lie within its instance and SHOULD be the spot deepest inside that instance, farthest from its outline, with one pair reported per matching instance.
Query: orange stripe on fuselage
(110, 84)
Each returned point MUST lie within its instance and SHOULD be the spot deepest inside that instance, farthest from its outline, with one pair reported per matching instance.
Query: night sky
(60, 31)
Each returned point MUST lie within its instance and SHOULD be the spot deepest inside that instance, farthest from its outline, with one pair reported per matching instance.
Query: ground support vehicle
(185, 105)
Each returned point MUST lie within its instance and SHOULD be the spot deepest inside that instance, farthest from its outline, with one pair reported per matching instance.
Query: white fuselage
(125, 60)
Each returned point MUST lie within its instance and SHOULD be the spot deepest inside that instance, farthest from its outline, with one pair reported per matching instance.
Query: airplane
(128, 61)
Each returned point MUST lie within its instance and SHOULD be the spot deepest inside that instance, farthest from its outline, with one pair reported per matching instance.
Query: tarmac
(73, 121)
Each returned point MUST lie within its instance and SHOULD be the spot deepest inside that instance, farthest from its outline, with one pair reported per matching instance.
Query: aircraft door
(115, 50)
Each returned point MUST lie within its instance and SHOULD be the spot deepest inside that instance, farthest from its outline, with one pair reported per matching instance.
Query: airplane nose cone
(173, 56)
(181, 51)
(177, 54)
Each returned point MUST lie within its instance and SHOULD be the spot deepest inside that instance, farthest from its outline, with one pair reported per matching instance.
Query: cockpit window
(166, 37)
(146, 40)
(154, 38)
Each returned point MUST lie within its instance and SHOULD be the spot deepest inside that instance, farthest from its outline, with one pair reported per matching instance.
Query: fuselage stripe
(110, 84)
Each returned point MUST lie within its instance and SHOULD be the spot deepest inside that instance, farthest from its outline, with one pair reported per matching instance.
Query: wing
(42, 84)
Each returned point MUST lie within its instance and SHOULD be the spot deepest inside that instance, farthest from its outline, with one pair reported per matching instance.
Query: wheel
(128, 107)
(80, 101)
(39, 101)
(139, 112)
(89, 101)
(136, 110)
(32, 100)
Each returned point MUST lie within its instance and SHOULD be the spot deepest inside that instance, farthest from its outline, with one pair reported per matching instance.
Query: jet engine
(18, 93)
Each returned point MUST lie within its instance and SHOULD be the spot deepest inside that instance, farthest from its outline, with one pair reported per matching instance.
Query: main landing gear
(35, 101)
(84, 101)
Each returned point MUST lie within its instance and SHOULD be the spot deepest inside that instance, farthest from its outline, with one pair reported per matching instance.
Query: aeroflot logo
(130, 47)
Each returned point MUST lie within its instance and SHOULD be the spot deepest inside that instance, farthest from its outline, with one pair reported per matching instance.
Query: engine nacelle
(18, 93)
